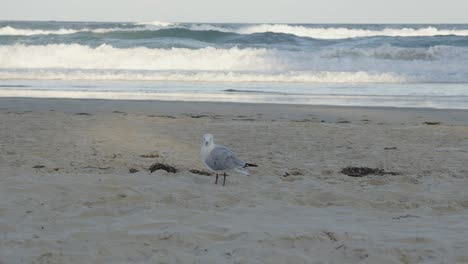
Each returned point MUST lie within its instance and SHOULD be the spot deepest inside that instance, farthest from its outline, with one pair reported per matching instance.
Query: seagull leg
(224, 180)
(216, 182)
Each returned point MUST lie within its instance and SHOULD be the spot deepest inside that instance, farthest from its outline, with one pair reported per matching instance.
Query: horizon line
(230, 22)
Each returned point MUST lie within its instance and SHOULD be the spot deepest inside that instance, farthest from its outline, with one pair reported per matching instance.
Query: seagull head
(208, 140)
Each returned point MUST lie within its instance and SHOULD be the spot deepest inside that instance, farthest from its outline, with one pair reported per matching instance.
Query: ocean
(323, 64)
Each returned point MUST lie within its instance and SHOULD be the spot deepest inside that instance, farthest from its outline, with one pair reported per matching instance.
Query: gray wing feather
(221, 158)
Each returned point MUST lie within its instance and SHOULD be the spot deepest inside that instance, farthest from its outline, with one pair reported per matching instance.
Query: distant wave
(296, 30)
(209, 27)
(156, 23)
(11, 31)
(327, 32)
(28, 32)
(342, 33)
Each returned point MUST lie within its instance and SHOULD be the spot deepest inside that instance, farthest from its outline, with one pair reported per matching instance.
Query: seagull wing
(221, 158)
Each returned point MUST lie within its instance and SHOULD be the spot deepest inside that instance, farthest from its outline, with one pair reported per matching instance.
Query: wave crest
(107, 57)
(380, 64)
(296, 30)
(343, 33)
(11, 31)
(156, 23)
(29, 32)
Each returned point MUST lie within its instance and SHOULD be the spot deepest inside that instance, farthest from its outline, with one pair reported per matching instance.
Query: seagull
(219, 159)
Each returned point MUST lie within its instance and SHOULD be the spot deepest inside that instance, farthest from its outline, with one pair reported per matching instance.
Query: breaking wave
(343, 33)
(309, 31)
(29, 32)
(108, 57)
(11, 31)
(156, 23)
(385, 64)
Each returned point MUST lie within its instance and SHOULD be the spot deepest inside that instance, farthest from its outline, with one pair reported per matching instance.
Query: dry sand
(84, 206)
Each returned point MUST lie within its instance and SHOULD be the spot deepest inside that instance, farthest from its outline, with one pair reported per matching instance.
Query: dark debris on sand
(195, 116)
(200, 172)
(133, 170)
(343, 122)
(161, 166)
(364, 171)
(164, 116)
(98, 168)
(331, 236)
(151, 155)
(83, 114)
(294, 172)
(405, 216)
(244, 119)
(431, 123)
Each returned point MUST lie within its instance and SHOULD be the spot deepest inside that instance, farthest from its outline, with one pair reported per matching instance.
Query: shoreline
(263, 111)
(455, 102)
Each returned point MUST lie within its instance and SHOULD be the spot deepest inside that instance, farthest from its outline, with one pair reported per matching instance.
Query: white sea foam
(333, 32)
(11, 31)
(227, 59)
(112, 75)
(28, 32)
(207, 27)
(108, 57)
(342, 33)
(382, 64)
(156, 23)
(387, 52)
(297, 30)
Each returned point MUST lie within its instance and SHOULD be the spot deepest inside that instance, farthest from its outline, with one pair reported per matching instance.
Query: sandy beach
(75, 185)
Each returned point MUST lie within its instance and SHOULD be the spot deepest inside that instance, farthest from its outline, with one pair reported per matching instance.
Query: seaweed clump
(161, 166)
(364, 171)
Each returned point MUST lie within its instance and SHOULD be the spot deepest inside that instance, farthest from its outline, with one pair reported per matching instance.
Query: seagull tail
(241, 171)
(250, 165)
